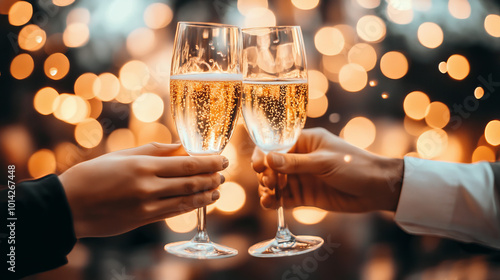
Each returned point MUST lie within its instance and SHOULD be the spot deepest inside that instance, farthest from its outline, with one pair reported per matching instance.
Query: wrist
(391, 182)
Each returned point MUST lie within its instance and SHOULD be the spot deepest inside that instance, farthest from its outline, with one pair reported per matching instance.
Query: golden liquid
(205, 109)
(274, 112)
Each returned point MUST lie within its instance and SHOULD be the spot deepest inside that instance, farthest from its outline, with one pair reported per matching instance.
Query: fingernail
(222, 179)
(225, 162)
(215, 195)
(278, 159)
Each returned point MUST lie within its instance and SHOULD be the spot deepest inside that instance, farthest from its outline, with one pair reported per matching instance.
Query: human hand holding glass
(274, 100)
(205, 88)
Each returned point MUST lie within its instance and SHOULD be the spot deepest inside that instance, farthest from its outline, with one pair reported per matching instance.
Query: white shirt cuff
(449, 200)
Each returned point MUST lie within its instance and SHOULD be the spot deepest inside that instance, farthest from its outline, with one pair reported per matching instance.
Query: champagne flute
(274, 101)
(205, 88)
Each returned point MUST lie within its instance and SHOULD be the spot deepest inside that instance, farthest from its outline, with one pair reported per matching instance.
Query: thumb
(293, 163)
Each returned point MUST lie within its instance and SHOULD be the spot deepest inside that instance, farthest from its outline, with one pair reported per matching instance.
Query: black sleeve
(36, 231)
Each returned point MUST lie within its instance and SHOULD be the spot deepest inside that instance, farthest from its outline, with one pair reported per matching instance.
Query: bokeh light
(22, 66)
(44, 100)
(259, 17)
(106, 86)
(134, 75)
(308, 215)
(76, 35)
(305, 4)
(368, 4)
(148, 107)
(71, 108)
(371, 28)
(332, 65)
(84, 85)
(63, 3)
(153, 132)
(31, 38)
(20, 13)
(492, 25)
(88, 133)
(437, 115)
(41, 163)
(141, 42)
(318, 84)
(399, 16)
(478, 93)
(244, 6)
(127, 96)
(483, 153)
(394, 65)
(95, 107)
(364, 55)
(56, 66)
(430, 35)
(353, 77)
(443, 67)
(232, 197)
(78, 15)
(459, 8)
(415, 105)
(67, 154)
(120, 139)
(492, 132)
(329, 41)
(317, 107)
(432, 143)
(182, 223)
(158, 15)
(458, 67)
(360, 132)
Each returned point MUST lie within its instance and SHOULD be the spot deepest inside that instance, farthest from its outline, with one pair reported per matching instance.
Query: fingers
(154, 149)
(188, 165)
(172, 187)
(296, 163)
(258, 160)
(181, 204)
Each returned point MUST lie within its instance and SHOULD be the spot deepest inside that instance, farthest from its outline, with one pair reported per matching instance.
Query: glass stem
(283, 235)
(201, 234)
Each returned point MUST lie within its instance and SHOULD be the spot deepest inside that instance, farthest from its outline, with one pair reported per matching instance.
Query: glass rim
(206, 24)
(271, 27)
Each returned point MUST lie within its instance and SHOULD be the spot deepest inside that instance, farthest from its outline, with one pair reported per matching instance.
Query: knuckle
(190, 185)
(141, 167)
(190, 165)
(215, 179)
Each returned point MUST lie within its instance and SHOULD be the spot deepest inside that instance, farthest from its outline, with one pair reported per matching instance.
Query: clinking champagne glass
(274, 101)
(205, 89)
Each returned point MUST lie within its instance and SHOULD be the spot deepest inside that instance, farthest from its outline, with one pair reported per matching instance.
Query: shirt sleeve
(452, 200)
(39, 231)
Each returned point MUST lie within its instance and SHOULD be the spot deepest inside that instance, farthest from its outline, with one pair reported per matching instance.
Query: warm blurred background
(398, 77)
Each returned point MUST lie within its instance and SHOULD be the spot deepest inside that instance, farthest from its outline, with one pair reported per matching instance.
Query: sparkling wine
(205, 108)
(274, 112)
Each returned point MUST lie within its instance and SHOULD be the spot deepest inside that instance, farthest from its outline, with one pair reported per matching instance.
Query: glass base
(297, 245)
(200, 250)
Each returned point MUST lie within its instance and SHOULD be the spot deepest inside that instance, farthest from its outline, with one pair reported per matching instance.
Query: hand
(123, 190)
(326, 172)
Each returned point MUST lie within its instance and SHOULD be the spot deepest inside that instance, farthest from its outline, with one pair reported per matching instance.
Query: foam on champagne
(275, 82)
(212, 77)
